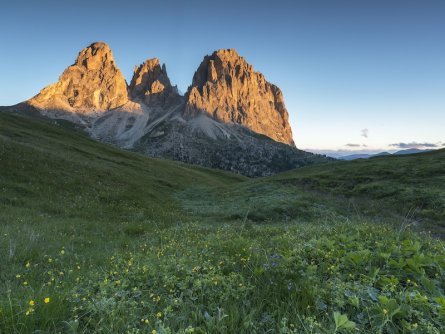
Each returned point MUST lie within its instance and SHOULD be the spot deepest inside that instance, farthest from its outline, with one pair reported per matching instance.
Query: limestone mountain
(150, 79)
(92, 84)
(228, 89)
(230, 118)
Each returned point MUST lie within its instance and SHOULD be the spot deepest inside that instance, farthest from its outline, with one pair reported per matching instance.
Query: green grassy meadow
(94, 239)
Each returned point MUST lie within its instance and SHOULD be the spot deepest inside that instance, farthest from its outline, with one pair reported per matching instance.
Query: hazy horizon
(367, 76)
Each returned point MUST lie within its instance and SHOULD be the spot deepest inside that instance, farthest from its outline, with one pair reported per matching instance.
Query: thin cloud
(353, 145)
(365, 133)
(415, 145)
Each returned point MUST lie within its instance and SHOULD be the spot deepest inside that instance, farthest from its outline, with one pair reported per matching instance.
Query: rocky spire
(228, 89)
(150, 80)
(93, 83)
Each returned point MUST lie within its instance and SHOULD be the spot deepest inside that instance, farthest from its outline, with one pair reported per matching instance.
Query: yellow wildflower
(32, 302)
(47, 300)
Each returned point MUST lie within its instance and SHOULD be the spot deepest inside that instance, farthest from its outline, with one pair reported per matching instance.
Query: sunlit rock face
(151, 84)
(149, 78)
(92, 84)
(229, 90)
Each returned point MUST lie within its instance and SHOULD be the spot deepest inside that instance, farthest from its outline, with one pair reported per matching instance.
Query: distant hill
(410, 151)
(367, 156)
(381, 154)
(355, 156)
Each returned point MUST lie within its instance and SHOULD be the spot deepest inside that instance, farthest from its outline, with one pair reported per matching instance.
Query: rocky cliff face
(150, 79)
(229, 90)
(93, 83)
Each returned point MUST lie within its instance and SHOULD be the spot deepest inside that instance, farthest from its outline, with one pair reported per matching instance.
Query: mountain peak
(229, 90)
(149, 78)
(92, 84)
(94, 55)
(226, 53)
(99, 45)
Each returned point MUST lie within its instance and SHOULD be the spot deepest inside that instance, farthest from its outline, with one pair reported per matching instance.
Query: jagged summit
(94, 56)
(229, 90)
(207, 70)
(92, 84)
(149, 78)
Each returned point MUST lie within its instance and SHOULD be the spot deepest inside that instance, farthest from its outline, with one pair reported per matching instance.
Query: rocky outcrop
(149, 78)
(151, 85)
(92, 84)
(229, 90)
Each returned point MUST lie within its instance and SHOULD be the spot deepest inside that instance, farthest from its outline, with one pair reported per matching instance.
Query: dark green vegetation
(396, 188)
(411, 185)
(117, 242)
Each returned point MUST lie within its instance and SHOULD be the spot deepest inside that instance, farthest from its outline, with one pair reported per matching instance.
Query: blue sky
(353, 72)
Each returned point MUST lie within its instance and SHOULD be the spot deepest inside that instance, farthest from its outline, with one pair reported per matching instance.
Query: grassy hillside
(95, 239)
(394, 189)
(411, 184)
(61, 179)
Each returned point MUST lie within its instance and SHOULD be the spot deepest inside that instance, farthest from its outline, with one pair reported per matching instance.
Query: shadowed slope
(56, 171)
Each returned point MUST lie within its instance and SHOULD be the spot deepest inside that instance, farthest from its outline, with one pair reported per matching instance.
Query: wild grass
(227, 278)
(98, 240)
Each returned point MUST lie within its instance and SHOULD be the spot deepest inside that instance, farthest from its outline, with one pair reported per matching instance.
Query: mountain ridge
(230, 118)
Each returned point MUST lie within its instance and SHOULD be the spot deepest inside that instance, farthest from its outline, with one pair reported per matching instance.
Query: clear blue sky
(347, 68)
